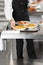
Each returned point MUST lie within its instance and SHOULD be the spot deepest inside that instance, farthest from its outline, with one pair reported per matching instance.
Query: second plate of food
(31, 25)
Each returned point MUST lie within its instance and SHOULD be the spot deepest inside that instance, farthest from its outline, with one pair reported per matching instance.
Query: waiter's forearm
(12, 19)
(31, 9)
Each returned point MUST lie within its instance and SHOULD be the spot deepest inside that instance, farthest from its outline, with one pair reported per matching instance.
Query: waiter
(16, 10)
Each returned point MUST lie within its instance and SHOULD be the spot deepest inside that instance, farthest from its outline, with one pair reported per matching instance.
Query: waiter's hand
(31, 9)
(12, 22)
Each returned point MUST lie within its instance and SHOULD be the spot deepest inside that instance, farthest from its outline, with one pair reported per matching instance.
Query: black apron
(20, 12)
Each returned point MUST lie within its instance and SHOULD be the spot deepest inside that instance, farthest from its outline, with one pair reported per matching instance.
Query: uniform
(20, 14)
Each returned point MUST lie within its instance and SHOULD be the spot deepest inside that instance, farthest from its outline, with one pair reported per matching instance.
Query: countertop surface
(11, 34)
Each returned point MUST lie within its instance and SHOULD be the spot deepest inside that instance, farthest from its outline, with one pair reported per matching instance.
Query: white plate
(34, 29)
(33, 26)
(40, 24)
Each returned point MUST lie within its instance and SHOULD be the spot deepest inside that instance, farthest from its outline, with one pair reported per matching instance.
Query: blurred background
(38, 44)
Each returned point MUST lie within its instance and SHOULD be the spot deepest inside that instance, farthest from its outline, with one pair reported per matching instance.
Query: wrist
(11, 20)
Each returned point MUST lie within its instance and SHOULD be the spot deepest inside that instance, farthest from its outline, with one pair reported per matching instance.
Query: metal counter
(11, 34)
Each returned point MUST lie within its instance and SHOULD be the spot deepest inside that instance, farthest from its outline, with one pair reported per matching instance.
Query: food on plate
(19, 27)
(32, 25)
(41, 22)
(37, 1)
(33, 3)
(23, 22)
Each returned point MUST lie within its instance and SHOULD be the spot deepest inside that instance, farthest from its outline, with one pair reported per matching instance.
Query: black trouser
(30, 48)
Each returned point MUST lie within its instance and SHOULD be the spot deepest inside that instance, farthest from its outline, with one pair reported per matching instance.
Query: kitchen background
(34, 17)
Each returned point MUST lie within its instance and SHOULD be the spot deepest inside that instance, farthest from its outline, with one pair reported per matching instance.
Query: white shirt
(8, 9)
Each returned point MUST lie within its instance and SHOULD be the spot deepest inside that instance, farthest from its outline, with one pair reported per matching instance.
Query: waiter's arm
(8, 11)
(31, 9)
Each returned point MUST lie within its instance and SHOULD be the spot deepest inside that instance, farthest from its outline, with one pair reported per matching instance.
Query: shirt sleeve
(8, 9)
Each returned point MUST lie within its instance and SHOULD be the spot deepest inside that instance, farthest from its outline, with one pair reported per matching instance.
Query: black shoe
(33, 58)
(21, 58)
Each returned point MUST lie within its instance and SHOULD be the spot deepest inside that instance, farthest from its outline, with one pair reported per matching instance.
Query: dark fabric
(30, 48)
(20, 10)
(19, 4)
(20, 14)
(19, 48)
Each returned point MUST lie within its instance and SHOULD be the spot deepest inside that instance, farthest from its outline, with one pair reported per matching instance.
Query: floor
(4, 60)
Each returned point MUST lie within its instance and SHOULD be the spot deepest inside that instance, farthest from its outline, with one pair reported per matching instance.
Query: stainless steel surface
(22, 35)
(9, 53)
(5, 61)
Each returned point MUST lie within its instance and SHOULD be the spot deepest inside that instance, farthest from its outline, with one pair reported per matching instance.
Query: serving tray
(30, 30)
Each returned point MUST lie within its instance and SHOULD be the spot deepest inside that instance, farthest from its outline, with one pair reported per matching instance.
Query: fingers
(12, 22)
(31, 9)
